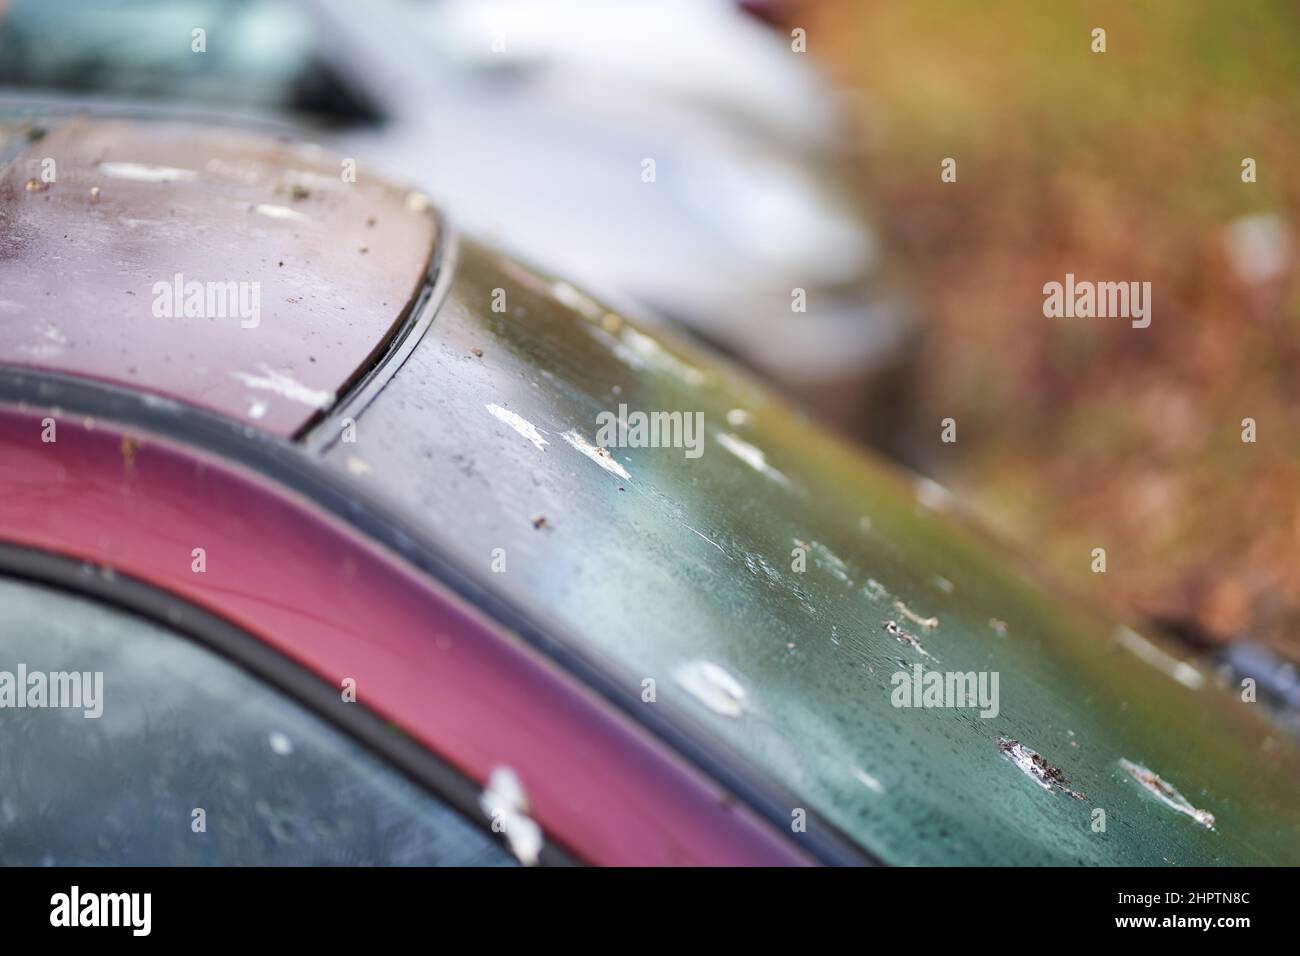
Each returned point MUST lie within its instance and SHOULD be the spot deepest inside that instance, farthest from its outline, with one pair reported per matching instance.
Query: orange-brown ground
(1123, 165)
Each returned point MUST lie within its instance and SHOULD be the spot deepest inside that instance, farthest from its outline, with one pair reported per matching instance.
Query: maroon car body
(682, 657)
(181, 431)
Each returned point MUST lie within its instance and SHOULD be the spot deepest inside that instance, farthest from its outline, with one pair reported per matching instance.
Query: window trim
(179, 617)
(292, 467)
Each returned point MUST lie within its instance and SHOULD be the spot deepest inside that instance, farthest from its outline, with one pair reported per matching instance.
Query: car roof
(219, 267)
(674, 533)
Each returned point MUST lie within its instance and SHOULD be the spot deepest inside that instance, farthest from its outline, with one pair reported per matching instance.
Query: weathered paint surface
(772, 586)
(317, 593)
(89, 260)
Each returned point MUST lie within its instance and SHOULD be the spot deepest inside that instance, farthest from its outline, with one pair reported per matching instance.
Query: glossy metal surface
(755, 584)
(130, 503)
(89, 263)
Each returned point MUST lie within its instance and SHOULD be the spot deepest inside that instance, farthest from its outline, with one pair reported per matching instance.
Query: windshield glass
(772, 583)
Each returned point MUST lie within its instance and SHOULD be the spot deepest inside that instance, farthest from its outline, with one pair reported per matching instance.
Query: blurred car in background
(268, 440)
(534, 125)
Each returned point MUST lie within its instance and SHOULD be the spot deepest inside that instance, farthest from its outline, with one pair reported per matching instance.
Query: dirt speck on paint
(929, 623)
(1035, 766)
(904, 637)
(1166, 792)
(714, 687)
(130, 445)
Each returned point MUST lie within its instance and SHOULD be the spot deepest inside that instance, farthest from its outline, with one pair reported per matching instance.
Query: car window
(255, 54)
(770, 583)
(122, 743)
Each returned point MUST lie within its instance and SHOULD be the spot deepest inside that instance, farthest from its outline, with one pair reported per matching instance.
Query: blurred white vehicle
(537, 125)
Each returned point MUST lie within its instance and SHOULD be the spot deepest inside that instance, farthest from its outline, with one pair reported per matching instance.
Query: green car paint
(770, 588)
